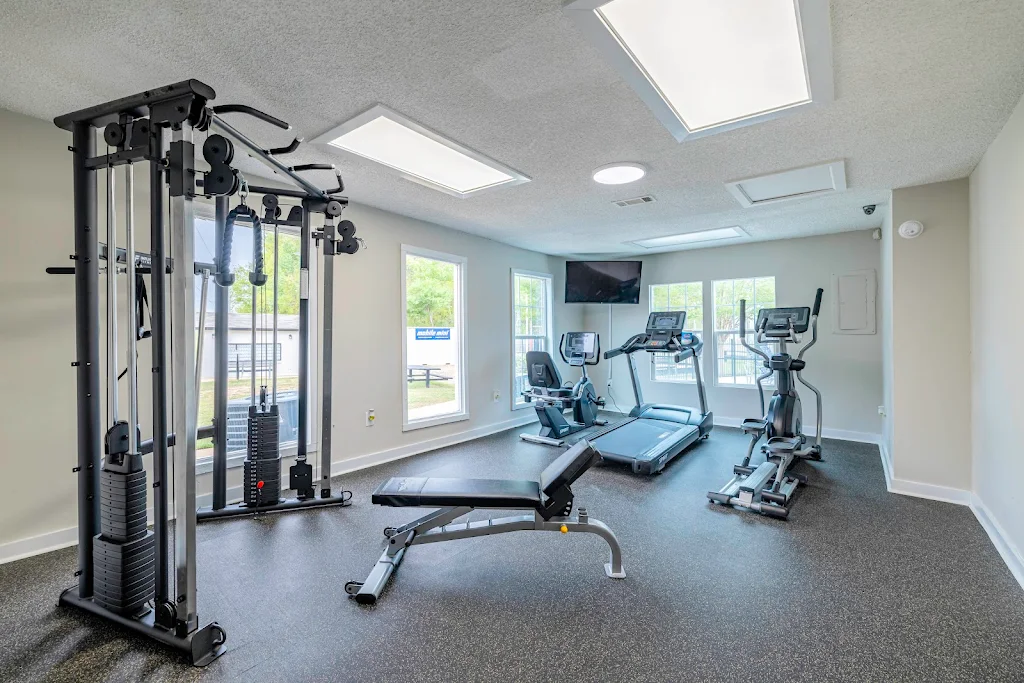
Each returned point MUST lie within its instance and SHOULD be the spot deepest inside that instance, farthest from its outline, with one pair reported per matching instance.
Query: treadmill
(655, 433)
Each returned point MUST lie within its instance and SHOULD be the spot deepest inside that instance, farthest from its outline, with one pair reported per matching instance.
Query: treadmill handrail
(631, 345)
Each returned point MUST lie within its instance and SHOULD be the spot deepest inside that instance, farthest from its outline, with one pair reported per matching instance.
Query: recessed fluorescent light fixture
(691, 238)
(704, 66)
(619, 173)
(797, 183)
(419, 154)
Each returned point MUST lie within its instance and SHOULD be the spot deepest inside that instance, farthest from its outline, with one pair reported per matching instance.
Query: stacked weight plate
(123, 552)
(263, 458)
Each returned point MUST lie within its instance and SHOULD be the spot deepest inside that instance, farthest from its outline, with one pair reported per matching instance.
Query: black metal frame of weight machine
(136, 127)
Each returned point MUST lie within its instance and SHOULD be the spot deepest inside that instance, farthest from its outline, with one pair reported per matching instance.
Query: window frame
(462, 384)
(206, 212)
(650, 307)
(515, 403)
(768, 382)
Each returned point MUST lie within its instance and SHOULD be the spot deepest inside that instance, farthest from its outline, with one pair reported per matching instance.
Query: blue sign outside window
(433, 333)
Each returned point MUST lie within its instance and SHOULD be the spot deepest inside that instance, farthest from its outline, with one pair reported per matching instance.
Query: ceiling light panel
(704, 67)
(420, 154)
(691, 238)
(797, 183)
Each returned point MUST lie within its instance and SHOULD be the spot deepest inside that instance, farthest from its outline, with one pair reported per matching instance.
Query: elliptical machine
(769, 487)
(551, 397)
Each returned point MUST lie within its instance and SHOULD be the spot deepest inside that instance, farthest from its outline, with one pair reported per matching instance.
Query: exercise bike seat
(501, 494)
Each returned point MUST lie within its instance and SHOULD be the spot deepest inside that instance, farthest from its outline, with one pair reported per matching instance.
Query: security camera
(869, 209)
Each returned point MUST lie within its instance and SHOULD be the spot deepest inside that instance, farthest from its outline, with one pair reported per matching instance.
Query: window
(239, 342)
(531, 326)
(735, 365)
(679, 296)
(433, 346)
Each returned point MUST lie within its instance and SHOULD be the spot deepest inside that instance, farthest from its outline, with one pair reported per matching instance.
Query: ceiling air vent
(646, 199)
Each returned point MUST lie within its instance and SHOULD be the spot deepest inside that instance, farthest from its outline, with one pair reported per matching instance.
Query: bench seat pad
(502, 494)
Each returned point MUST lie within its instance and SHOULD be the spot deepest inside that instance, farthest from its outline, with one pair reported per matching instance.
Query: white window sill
(674, 381)
(520, 406)
(743, 386)
(434, 421)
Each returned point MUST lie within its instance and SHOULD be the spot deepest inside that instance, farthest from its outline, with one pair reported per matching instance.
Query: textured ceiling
(922, 88)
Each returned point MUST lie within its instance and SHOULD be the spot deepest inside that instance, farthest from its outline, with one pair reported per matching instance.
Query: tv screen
(602, 282)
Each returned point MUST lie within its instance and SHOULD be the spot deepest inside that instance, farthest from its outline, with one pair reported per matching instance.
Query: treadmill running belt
(646, 444)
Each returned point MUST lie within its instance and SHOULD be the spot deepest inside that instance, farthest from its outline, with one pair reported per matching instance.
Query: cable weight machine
(140, 579)
(263, 479)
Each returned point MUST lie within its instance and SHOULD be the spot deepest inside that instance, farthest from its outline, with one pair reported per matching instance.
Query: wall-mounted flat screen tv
(602, 282)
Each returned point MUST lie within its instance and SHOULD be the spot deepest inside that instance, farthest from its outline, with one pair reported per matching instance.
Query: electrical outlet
(497, 395)
(370, 417)
(881, 410)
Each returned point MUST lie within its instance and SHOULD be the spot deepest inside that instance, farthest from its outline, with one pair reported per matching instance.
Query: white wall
(997, 328)
(885, 305)
(931, 342)
(846, 368)
(38, 431)
(368, 352)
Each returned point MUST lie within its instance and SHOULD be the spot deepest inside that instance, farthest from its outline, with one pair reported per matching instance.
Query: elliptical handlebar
(743, 332)
(814, 323)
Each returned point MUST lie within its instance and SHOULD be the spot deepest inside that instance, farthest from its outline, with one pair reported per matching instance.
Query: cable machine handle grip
(253, 112)
(817, 301)
(225, 278)
(258, 276)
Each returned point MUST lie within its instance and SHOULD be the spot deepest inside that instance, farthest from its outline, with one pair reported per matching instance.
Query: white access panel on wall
(853, 302)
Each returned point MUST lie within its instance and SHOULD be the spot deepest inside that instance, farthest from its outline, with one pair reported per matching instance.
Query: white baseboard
(883, 452)
(398, 453)
(64, 538)
(1011, 555)
(37, 545)
(917, 489)
(826, 432)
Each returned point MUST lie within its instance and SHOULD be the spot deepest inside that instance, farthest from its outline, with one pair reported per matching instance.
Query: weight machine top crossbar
(258, 151)
(137, 105)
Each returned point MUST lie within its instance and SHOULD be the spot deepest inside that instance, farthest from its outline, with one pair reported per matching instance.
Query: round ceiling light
(619, 173)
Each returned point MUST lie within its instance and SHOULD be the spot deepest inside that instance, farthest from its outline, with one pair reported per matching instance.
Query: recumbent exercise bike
(769, 487)
(551, 398)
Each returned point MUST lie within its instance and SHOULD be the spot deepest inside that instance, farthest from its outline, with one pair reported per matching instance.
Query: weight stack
(263, 458)
(123, 553)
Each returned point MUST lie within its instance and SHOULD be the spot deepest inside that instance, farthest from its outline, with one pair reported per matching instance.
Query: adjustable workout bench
(550, 499)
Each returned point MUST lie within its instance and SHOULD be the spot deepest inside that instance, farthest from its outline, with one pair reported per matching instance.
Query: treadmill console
(775, 321)
(662, 327)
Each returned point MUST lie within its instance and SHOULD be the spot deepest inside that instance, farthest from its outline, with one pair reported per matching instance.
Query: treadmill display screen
(668, 321)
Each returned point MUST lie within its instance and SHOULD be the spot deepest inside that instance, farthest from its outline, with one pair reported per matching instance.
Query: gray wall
(846, 368)
(997, 328)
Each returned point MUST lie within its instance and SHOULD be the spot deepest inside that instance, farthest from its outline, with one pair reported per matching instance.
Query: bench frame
(439, 526)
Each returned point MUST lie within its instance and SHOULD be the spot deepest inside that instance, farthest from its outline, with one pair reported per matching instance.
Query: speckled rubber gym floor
(858, 585)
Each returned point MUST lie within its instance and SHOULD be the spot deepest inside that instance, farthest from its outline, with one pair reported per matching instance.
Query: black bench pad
(502, 494)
